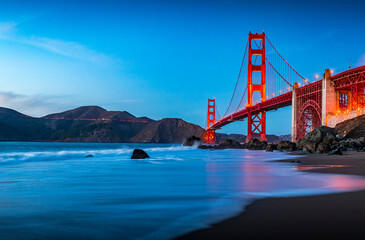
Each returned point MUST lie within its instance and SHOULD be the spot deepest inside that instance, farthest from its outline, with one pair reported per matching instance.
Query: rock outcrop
(271, 147)
(229, 143)
(328, 140)
(192, 141)
(319, 140)
(226, 144)
(139, 154)
(255, 144)
(286, 146)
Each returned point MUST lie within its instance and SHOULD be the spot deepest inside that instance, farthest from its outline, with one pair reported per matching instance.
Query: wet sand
(331, 216)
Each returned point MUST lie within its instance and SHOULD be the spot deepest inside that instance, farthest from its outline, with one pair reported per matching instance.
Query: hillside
(96, 124)
(93, 124)
(168, 130)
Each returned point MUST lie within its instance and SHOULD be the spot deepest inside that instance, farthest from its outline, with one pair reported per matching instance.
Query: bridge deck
(280, 101)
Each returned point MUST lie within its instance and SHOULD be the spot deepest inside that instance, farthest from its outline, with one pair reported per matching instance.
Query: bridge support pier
(330, 99)
(256, 125)
(210, 133)
(257, 121)
(294, 113)
(210, 137)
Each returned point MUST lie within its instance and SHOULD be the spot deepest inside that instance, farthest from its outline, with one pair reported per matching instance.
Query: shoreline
(327, 216)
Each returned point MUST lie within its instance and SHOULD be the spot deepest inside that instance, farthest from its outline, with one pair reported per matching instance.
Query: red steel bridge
(272, 83)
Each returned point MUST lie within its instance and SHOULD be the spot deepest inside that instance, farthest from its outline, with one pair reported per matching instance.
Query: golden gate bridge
(272, 83)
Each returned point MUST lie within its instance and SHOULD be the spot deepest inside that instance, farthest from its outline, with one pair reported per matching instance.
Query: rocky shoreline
(321, 140)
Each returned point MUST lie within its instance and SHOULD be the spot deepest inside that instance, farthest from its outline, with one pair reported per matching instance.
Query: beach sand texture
(331, 216)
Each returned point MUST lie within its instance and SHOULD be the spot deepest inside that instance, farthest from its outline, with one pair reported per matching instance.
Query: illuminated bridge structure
(272, 83)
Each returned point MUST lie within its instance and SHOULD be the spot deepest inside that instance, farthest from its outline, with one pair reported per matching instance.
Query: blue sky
(162, 58)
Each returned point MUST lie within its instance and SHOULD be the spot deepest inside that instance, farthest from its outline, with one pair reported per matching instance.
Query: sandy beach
(331, 216)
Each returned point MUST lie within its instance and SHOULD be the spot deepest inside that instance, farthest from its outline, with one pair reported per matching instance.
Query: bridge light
(331, 71)
(273, 94)
(298, 84)
(316, 76)
(280, 91)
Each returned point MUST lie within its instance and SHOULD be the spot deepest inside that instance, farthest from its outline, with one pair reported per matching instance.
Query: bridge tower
(257, 121)
(210, 134)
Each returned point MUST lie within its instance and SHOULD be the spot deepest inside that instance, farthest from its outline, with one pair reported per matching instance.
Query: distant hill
(96, 124)
(168, 130)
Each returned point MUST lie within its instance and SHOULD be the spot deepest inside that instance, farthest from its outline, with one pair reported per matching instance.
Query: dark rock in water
(335, 152)
(286, 145)
(205, 146)
(255, 144)
(229, 143)
(139, 154)
(271, 147)
(89, 156)
(191, 141)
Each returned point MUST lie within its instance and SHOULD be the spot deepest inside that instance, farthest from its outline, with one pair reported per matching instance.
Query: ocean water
(51, 191)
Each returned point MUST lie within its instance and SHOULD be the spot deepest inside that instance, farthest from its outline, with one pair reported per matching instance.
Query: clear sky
(162, 58)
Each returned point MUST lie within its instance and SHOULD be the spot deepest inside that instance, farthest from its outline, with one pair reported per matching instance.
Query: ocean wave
(76, 154)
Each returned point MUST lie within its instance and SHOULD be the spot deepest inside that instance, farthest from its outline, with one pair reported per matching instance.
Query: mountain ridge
(96, 124)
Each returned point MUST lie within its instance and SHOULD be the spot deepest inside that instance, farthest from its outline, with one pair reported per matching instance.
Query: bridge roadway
(280, 101)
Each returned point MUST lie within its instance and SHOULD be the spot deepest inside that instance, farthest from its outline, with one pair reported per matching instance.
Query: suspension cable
(283, 58)
(239, 75)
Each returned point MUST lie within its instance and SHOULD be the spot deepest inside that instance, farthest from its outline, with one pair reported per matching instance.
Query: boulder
(329, 138)
(322, 137)
(335, 152)
(226, 144)
(319, 133)
(229, 143)
(205, 146)
(89, 156)
(310, 147)
(139, 154)
(286, 146)
(271, 147)
(255, 144)
(192, 141)
(323, 148)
